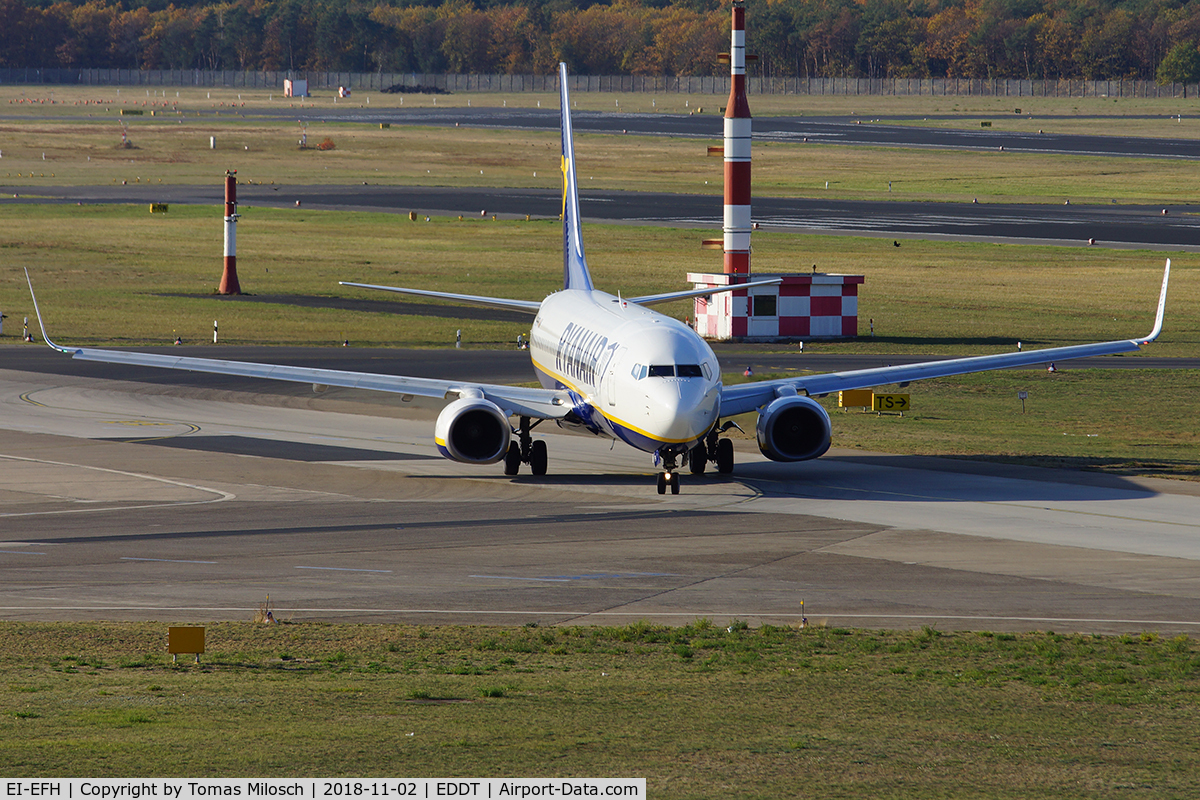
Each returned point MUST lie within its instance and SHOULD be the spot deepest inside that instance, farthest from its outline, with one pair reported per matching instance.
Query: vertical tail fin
(575, 269)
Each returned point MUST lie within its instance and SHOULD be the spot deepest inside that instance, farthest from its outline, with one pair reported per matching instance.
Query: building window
(763, 305)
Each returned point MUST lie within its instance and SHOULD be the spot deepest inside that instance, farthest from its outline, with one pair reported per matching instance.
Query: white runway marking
(347, 569)
(35, 488)
(567, 578)
(167, 560)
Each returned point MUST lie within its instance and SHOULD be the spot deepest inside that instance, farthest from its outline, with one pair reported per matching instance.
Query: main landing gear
(527, 451)
(713, 449)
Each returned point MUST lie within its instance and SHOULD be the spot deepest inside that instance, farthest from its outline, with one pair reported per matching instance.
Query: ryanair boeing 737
(612, 367)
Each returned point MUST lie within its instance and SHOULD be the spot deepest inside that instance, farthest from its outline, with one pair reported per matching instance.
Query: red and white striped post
(737, 153)
(229, 278)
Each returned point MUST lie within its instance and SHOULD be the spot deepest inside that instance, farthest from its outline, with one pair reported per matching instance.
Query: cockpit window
(689, 371)
(662, 370)
(639, 371)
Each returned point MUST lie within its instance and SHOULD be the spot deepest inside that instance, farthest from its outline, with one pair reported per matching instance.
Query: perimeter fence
(717, 84)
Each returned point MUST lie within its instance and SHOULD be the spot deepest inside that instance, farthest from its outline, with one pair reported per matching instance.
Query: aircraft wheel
(674, 482)
(662, 483)
(538, 458)
(512, 459)
(725, 456)
(697, 459)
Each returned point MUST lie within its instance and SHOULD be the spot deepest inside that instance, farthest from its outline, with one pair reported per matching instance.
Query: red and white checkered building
(804, 306)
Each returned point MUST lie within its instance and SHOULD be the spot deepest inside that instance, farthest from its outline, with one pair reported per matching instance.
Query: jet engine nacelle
(472, 430)
(793, 429)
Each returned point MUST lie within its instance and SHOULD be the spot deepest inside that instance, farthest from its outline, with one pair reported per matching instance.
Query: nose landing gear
(712, 449)
(668, 477)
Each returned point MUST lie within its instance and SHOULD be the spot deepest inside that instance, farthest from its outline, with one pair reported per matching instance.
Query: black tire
(725, 456)
(512, 459)
(698, 459)
(662, 483)
(538, 458)
(674, 483)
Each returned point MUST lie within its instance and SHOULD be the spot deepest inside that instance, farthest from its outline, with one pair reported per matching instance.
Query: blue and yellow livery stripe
(621, 429)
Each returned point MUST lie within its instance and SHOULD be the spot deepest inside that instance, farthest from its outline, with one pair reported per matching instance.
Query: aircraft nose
(685, 409)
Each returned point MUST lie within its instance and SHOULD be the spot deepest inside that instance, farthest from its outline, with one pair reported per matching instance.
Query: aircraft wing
(514, 400)
(526, 306)
(745, 397)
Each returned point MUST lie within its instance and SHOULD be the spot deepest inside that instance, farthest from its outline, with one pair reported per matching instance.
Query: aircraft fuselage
(633, 374)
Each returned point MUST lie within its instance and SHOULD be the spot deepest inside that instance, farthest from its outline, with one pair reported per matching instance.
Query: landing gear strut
(668, 477)
(527, 451)
(720, 451)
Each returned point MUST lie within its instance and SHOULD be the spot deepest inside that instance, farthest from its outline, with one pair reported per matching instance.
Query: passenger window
(689, 371)
(662, 370)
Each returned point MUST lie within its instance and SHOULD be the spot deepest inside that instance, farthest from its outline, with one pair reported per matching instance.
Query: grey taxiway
(128, 494)
(131, 495)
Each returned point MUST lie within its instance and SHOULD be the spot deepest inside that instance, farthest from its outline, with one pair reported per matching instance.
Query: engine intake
(793, 429)
(472, 430)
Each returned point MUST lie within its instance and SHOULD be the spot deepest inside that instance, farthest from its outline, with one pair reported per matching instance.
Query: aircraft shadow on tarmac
(270, 448)
(887, 478)
(580, 526)
(899, 479)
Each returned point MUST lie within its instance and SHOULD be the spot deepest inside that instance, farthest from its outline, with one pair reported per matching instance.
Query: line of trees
(1030, 39)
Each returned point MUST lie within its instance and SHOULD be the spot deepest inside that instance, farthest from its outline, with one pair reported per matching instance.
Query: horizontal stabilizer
(525, 306)
(666, 297)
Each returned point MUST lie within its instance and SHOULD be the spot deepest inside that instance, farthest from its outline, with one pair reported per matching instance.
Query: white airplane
(610, 366)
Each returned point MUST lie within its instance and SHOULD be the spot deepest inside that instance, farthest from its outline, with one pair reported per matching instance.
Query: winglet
(1162, 306)
(575, 269)
(38, 313)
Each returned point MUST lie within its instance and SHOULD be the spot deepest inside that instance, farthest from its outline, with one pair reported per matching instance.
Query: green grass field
(118, 274)
(699, 711)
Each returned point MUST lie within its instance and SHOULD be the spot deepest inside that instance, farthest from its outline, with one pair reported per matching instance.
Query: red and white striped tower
(229, 278)
(737, 153)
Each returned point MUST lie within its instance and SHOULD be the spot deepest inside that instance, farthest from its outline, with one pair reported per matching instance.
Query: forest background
(1026, 39)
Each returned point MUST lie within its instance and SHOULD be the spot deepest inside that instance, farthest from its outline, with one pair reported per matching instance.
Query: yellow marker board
(855, 398)
(891, 402)
(185, 640)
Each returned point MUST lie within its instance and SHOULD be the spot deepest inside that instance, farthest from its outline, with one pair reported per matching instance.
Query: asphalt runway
(184, 502)
(1120, 226)
(854, 131)
(851, 131)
